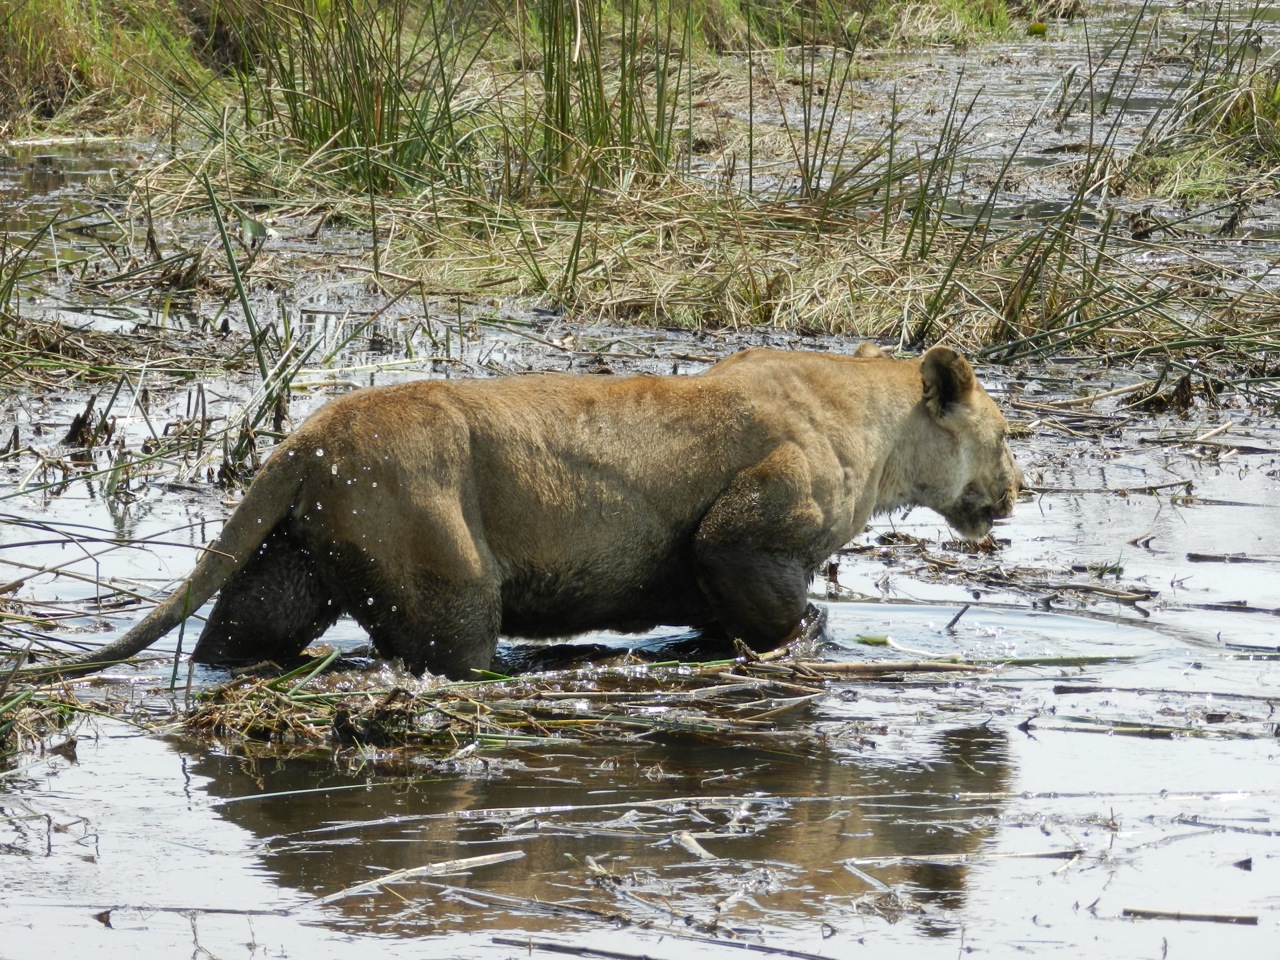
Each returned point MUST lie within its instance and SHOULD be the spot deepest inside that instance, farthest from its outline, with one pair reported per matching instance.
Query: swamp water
(1025, 809)
(1124, 759)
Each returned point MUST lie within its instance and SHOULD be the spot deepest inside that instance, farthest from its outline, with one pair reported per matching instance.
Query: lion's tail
(269, 499)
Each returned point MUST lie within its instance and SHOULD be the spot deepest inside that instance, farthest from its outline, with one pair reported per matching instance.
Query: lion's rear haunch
(441, 514)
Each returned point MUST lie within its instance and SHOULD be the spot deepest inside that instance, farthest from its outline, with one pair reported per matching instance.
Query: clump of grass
(943, 22)
(394, 97)
(373, 86)
(1189, 172)
(890, 23)
(308, 707)
(1223, 130)
(1246, 117)
(609, 108)
(28, 719)
(83, 60)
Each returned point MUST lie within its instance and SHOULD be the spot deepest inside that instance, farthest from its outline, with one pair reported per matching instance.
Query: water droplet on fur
(393, 608)
(318, 505)
(291, 453)
(375, 483)
(369, 601)
(334, 469)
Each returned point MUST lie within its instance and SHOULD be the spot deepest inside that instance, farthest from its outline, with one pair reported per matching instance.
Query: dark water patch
(40, 181)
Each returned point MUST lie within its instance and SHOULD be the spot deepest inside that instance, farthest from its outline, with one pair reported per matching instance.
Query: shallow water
(185, 850)
(1021, 810)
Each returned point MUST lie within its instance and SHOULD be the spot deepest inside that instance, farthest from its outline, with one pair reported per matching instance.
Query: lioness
(440, 514)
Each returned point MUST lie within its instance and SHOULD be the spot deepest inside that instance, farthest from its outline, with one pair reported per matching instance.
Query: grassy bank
(76, 63)
(72, 62)
(696, 165)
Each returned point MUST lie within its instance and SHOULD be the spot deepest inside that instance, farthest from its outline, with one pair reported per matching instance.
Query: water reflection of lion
(784, 836)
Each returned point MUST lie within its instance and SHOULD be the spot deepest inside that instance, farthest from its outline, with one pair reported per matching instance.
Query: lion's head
(962, 466)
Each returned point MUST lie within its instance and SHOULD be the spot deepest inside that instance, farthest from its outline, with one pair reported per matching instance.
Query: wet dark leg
(270, 610)
(757, 597)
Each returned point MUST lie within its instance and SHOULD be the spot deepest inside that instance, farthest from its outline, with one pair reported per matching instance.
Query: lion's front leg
(755, 550)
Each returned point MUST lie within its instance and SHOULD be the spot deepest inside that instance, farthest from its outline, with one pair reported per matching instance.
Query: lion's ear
(948, 379)
(867, 350)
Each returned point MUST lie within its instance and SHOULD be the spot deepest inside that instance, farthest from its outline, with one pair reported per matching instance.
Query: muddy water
(41, 180)
(188, 850)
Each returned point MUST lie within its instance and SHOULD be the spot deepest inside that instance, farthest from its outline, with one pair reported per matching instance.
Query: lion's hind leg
(271, 609)
(446, 626)
(432, 599)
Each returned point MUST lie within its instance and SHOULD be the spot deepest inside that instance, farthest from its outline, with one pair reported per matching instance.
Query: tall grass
(394, 100)
(375, 86)
(394, 96)
(79, 60)
(564, 132)
(569, 150)
(1223, 128)
(610, 107)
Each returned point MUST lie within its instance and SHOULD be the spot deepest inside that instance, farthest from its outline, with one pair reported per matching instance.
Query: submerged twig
(551, 946)
(1243, 919)
(440, 869)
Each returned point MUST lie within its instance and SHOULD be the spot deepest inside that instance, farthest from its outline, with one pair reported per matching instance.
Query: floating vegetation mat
(727, 699)
(327, 705)
(43, 723)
